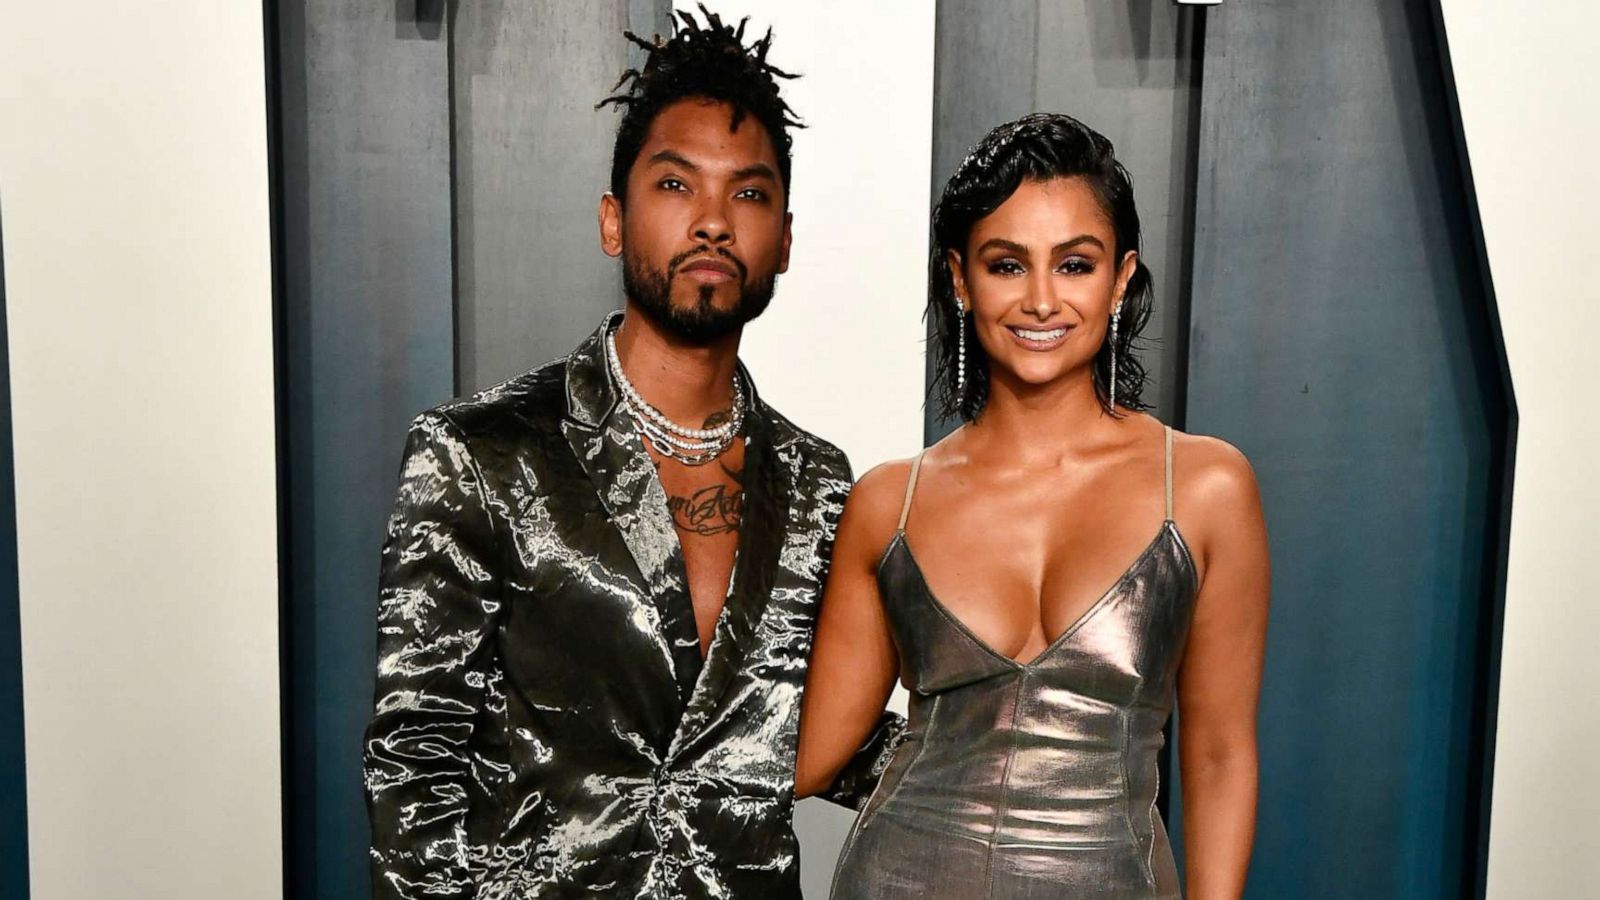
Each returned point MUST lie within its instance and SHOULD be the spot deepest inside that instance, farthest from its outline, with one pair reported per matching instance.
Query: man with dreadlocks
(600, 579)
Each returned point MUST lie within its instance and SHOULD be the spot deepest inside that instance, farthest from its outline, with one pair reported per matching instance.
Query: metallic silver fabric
(544, 725)
(1027, 781)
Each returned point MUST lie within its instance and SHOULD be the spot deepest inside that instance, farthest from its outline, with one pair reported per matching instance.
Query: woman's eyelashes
(1072, 265)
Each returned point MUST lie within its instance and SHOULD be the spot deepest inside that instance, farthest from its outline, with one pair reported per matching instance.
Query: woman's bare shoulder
(1216, 500)
(876, 499)
(1210, 470)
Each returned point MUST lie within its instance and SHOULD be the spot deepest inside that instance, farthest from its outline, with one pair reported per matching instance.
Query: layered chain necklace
(690, 446)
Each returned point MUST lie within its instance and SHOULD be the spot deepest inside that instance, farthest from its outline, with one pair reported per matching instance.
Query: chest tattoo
(711, 510)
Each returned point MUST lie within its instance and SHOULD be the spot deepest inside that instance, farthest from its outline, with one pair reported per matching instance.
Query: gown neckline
(1168, 526)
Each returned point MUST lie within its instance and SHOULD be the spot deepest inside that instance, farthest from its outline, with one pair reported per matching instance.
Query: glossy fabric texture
(544, 725)
(1028, 781)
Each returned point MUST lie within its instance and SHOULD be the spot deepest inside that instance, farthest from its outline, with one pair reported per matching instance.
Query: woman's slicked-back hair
(1036, 147)
(711, 62)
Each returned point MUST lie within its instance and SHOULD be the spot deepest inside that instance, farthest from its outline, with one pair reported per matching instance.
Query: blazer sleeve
(859, 778)
(438, 602)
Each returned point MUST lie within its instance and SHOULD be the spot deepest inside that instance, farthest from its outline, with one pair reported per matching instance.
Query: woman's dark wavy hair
(1036, 147)
(709, 61)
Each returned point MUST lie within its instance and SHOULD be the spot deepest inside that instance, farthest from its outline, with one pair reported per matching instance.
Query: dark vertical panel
(13, 764)
(1486, 689)
(1340, 336)
(1125, 69)
(532, 159)
(365, 222)
(983, 71)
(273, 58)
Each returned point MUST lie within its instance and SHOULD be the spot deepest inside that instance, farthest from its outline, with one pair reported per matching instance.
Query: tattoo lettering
(715, 509)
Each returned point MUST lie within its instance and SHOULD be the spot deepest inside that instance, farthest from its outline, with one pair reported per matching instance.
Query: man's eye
(672, 184)
(751, 193)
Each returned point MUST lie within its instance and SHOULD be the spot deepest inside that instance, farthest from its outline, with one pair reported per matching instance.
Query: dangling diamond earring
(961, 351)
(1115, 314)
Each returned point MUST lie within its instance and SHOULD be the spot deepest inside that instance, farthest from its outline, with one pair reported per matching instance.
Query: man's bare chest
(706, 504)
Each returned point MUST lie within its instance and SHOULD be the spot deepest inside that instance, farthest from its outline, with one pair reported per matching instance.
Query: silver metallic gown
(545, 726)
(1020, 781)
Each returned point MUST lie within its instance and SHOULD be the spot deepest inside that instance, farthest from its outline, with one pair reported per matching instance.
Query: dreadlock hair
(708, 61)
(1036, 147)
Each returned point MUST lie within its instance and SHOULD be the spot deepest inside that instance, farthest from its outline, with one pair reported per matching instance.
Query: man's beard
(702, 322)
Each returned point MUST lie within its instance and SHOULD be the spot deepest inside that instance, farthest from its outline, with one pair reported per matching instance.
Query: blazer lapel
(608, 448)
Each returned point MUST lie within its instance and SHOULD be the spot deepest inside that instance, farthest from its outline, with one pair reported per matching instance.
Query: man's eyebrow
(673, 157)
(759, 170)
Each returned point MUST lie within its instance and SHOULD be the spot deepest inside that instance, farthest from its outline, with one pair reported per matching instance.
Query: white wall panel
(1532, 121)
(840, 349)
(133, 164)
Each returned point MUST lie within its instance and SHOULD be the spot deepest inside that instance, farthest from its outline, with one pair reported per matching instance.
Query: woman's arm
(853, 659)
(1220, 681)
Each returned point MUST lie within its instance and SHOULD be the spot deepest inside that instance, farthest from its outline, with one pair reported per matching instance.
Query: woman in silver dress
(1049, 580)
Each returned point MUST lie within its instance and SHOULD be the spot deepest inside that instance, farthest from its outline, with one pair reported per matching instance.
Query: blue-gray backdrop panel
(368, 343)
(405, 131)
(1341, 337)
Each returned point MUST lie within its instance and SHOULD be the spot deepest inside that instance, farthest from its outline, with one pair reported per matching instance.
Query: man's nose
(711, 225)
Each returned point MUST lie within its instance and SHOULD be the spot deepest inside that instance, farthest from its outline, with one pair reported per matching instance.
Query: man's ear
(788, 234)
(610, 224)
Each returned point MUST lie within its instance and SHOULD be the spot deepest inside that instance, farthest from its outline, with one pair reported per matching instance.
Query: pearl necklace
(690, 446)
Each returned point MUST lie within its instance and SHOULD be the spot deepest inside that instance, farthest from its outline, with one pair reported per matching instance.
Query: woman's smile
(1039, 339)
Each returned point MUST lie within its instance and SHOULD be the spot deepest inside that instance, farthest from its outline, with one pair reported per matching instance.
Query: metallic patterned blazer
(544, 725)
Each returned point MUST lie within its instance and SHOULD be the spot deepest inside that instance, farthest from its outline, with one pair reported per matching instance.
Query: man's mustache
(681, 258)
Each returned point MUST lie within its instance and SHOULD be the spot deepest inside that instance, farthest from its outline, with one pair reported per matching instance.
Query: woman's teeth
(1040, 336)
